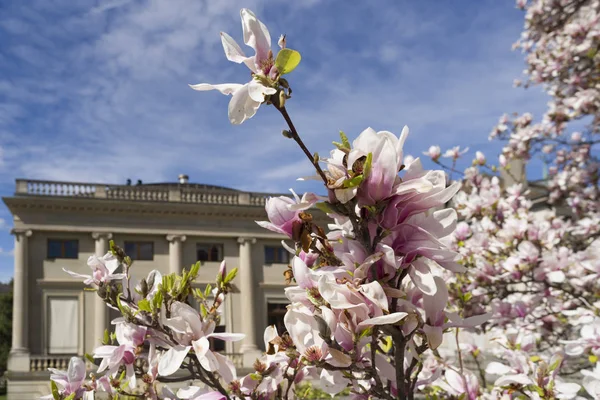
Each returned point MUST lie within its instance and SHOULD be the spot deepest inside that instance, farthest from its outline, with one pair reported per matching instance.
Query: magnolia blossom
(129, 337)
(455, 152)
(103, 270)
(465, 385)
(192, 332)
(284, 212)
(71, 381)
(247, 97)
(434, 152)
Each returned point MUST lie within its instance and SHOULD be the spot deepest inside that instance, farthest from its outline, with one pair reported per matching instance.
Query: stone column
(100, 307)
(176, 253)
(19, 354)
(249, 349)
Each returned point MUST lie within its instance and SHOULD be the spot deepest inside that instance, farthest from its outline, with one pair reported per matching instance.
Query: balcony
(167, 192)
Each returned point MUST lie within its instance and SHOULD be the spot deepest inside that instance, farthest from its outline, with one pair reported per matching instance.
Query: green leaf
(287, 60)
(144, 305)
(345, 140)
(195, 269)
(230, 276)
(324, 206)
(353, 182)
(555, 364)
(255, 377)
(106, 339)
(55, 394)
(71, 396)
(367, 165)
(207, 290)
(158, 298)
(89, 357)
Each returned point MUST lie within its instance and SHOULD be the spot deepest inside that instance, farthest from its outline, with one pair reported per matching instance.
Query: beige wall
(46, 276)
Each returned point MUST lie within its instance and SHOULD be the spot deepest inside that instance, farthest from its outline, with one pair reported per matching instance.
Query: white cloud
(115, 103)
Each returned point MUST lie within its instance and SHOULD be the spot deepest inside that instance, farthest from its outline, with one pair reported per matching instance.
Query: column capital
(243, 240)
(18, 232)
(102, 235)
(176, 237)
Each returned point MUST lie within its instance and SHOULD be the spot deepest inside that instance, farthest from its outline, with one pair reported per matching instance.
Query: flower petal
(172, 360)
(234, 53)
(241, 106)
(230, 337)
(225, 88)
(257, 91)
(256, 35)
(383, 319)
(496, 368)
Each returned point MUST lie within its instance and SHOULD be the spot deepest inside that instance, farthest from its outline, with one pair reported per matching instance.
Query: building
(161, 226)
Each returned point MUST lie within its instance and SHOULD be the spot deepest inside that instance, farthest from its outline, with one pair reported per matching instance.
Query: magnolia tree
(376, 290)
(538, 272)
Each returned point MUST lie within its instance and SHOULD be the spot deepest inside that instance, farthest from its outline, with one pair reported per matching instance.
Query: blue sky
(97, 91)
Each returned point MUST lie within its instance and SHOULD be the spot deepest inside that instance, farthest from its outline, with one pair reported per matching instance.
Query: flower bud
(222, 271)
(282, 99)
(281, 42)
(502, 160)
(480, 158)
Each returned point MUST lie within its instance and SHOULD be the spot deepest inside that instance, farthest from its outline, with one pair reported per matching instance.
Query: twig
(296, 137)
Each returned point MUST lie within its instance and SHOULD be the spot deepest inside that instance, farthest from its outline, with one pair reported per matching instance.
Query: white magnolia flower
(247, 97)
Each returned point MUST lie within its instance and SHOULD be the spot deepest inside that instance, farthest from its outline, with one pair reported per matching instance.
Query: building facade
(166, 227)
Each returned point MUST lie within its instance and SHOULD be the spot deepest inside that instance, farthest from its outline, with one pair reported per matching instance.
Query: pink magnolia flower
(69, 381)
(103, 269)
(465, 385)
(434, 152)
(387, 156)
(434, 306)
(455, 152)
(591, 381)
(248, 97)
(283, 212)
(191, 332)
(129, 337)
(197, 393)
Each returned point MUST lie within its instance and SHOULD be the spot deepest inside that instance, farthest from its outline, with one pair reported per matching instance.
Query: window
(140, 250)
(275, 314)
(63, 248)
(276, 255)
(209, 252)
(217, 344)
(63, 325)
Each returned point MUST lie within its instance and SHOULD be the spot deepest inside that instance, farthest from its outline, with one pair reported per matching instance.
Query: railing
(203, 196)
(47, 188)
(138, 193)
(42, 363)
(149, 193)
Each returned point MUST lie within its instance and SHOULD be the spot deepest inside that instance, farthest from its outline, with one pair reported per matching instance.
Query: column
(176, 253)
(19, 353)
(100, 307)
(249, 349)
